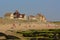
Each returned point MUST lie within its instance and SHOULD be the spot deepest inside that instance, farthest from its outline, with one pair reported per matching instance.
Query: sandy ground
(26, 26)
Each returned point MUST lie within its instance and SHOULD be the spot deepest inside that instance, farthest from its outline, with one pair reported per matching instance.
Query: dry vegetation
(7, 27)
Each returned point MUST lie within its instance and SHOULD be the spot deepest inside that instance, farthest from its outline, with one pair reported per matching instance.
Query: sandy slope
(26, 26)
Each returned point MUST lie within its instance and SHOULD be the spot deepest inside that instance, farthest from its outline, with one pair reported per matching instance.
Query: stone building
(41, 17)
(15, 15)
(31, 17)
(20, 16)
(8, 15)
(38, 17)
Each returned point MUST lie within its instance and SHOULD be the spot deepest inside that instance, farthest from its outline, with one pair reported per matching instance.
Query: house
(15, 15)
(22, 17)
(31, 17)
(38, 17)
(8, 15)
(41, 17)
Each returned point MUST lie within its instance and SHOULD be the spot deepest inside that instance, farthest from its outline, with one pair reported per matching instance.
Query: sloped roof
(40, 15)
(16, 12)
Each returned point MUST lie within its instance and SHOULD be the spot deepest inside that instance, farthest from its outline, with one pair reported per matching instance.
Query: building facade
(41, 17)
(17, 15)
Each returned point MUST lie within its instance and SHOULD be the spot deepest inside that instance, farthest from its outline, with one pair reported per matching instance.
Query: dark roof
(16, 12)
(18, 15)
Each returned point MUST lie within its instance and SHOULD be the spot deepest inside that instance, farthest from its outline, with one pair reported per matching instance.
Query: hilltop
(14, 22)
(18, 21)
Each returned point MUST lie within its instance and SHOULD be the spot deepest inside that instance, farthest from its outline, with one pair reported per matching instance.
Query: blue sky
(49, 8)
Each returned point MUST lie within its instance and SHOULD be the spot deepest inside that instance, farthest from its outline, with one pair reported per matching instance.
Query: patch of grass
(37, 33)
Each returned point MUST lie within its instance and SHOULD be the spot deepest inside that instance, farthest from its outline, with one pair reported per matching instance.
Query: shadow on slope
(8, 36)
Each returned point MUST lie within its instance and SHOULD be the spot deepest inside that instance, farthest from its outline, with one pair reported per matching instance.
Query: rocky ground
(26, 26)
(22, 26)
